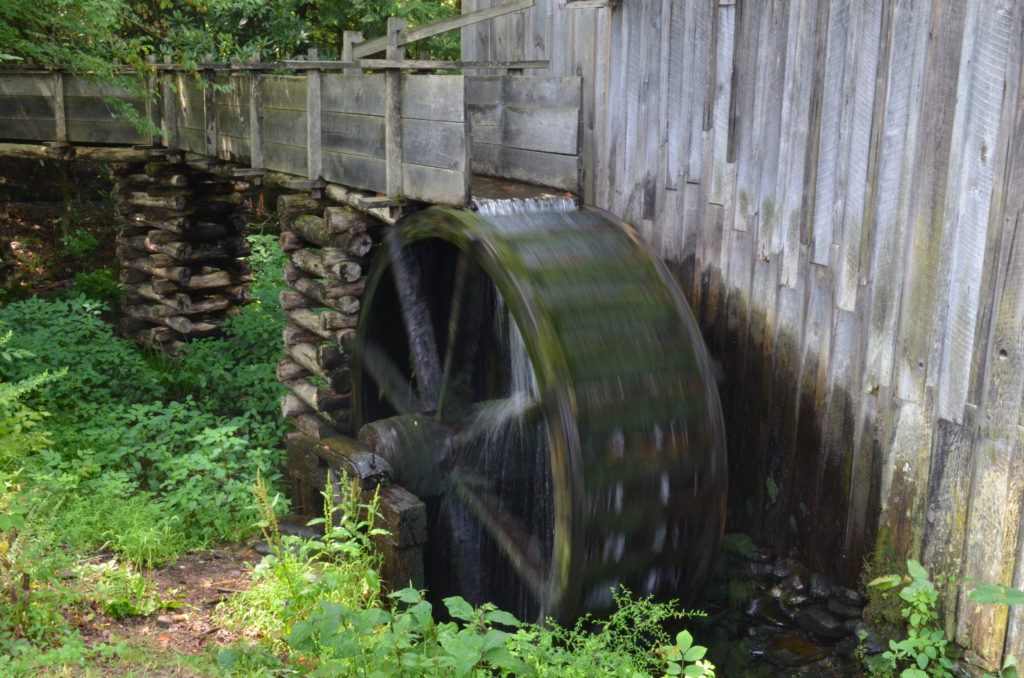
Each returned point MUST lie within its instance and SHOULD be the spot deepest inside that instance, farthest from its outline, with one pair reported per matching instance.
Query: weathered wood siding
(839, 187)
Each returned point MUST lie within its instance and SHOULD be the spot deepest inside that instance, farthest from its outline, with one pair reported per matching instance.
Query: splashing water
(504, 207)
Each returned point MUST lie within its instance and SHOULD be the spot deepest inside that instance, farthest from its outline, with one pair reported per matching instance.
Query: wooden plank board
(20, 129)
(552, 130)
(26, 85)
(435, 144)
(358, 134)
(26, 108)
(357, 171)
(285, 158)
(91, 109)
(434, 184)
(980, 109)
(113, 132)
(360, 94)
(284, 127)
(484, 90)
(433, 97)
(286, 92)
(545, 169)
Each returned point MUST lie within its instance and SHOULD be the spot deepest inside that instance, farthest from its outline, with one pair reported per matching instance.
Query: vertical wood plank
(314, 135)
(60, 114)
(392, 110)
(209, 108)
(169, 121)
(256, 117)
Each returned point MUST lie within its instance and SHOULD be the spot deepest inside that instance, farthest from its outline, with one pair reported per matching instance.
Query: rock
(821, 586)
(848, 596)
(836, 606)
(767, 609)
(817, 620)
(760, 555)
(760, 571)
(296, 525)
(798, 600)
(775, 592)
(762, 632)
(792, 649)
(261, 547)
(872, 642)
(797, 582)
(782, 568)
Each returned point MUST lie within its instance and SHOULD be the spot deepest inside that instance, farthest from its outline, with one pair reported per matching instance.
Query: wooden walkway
(418, 137)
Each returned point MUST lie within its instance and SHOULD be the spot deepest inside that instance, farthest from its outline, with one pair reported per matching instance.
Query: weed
(923, 652)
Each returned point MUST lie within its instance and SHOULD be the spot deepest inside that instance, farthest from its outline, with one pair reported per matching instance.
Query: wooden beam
(209, 108)
(426, 64)
(393, 110)
(60, 114)
(314, 152)
(436, 28)
(349, 40)
(255, 117)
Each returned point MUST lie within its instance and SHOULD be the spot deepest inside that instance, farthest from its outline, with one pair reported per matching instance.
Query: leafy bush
(923, 652)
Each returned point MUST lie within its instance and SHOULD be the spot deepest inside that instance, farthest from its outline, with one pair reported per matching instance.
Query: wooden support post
(255, 117)
(153, 104)
(209, 107)
(393, 110)
(314, 155)
(60, 116)
(349, 39)
(169, 123)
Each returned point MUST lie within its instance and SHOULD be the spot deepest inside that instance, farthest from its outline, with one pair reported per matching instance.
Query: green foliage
(100, 285)
(923, 652)
(319, 603)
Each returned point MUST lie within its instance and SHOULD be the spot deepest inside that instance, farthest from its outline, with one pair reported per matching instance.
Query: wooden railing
(380, 125)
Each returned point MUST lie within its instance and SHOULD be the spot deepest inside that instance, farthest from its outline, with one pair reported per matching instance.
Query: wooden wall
(839, 186)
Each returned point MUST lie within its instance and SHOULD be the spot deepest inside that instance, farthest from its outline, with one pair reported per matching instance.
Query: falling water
(499, 207)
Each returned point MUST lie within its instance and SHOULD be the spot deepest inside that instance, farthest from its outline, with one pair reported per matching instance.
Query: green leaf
(459, 608)
(408, 595)
(673, 669)
(684, 640)
(695, 671)
(695, 653)
(502, 617)
(885, 581)
(916, 571)
(673, 654)
(922, 660)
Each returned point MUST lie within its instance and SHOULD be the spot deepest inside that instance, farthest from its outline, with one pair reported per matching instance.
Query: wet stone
(843, 610)
(767, 609)
(797, 581)
(848, 596)
(775, 592)
(821, 586)
(792, 649)
(782, 569)
(763, 632)
(761, 571)
(817, 620)
(760, 556)
(799, 600)
(872, 642)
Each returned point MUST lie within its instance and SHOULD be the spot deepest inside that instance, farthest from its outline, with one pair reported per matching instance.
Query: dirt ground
(198, 582)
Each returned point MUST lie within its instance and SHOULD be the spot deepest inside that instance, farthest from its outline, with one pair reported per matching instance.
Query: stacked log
(327, 250)
(180, 246)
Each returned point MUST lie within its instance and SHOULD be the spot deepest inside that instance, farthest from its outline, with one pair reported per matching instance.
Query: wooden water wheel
(539, 381)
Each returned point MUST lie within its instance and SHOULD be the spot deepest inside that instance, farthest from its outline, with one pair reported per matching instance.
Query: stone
(760, 555)
(760, 571)
(782, 568)
(821, 586)
(870, 640)
(817, 620)
(767, 609)
(797, 581)
(799, 600)
(848, 596)
(793, 650)
(763, 632)
(842, 609)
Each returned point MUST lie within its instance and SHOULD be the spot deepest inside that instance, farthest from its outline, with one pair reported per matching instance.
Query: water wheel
(539, 381)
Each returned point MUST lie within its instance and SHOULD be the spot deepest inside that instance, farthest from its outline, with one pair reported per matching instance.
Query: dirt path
(198, 582)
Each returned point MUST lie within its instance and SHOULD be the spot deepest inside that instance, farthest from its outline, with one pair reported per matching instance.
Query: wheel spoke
(465, 325)
(523, 550)
(416, 316)
(391, 383)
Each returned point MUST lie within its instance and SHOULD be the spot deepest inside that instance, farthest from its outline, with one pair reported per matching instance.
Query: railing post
(350, 38)
(169, 123)
(209, 107)
(60, 115)
(255, 116)
(152, 106)
(393, 110)
(314, 154)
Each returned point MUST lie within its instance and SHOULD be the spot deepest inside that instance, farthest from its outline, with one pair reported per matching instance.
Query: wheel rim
(540, 520)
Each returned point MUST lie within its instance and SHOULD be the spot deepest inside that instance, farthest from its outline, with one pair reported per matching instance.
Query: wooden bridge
(836, 185)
